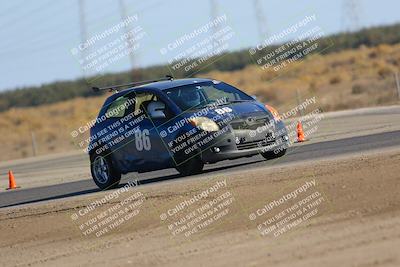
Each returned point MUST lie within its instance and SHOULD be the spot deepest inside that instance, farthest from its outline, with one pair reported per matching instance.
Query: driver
(189, 98)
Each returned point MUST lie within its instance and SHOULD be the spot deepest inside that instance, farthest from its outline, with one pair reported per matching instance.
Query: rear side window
(117, 108)
(142, 101)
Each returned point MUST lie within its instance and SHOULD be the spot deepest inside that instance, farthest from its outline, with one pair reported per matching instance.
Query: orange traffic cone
(11, 181)
(300, 133)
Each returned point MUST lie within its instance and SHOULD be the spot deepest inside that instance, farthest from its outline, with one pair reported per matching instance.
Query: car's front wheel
(103, 172)
(192, 166)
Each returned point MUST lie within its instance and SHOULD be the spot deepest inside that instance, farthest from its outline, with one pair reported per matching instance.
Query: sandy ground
(350, 216)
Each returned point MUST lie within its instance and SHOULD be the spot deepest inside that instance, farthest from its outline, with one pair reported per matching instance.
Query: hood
(240, 111)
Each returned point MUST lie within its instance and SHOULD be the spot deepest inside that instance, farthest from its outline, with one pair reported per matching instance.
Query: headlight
(274, 113)
(205, 124)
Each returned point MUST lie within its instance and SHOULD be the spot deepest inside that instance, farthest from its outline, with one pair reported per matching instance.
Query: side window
(117, 108)
(142, 101)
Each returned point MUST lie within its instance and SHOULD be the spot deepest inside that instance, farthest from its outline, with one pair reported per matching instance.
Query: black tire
(273, 155)
(103, 172)
(190, 167)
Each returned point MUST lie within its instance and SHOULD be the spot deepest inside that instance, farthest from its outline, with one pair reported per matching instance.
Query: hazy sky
(37, 36)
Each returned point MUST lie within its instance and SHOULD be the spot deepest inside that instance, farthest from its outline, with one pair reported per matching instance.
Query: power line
(14, 21)
(214, 13)
(43, 38)
(64, 38)
(11, 9)
(83, 30)
(38, 32)
(261, 20)
(214, 9)
(351, 15)
(128, 33)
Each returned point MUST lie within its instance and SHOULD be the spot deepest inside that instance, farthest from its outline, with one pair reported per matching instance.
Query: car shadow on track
(15, 198)
(179, 176)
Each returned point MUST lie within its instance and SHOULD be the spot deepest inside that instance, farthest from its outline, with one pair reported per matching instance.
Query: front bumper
(246, 143)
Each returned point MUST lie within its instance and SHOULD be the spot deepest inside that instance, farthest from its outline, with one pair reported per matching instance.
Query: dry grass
(344, 80)
(51, 124)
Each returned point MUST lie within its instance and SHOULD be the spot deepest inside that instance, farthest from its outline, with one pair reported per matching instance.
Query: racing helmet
(190, 98)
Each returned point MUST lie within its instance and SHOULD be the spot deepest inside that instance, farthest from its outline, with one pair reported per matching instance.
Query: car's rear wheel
(273, 155)
(192, 166)
(103, 172)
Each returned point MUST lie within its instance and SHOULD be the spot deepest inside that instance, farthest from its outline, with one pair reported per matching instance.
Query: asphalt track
(306, 151)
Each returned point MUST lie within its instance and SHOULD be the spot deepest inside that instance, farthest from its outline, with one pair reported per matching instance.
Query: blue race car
(181, 124)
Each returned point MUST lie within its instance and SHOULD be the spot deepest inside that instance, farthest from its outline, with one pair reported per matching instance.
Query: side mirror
(156, 110)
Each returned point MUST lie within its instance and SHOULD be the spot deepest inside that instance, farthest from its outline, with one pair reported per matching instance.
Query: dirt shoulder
(350, 216)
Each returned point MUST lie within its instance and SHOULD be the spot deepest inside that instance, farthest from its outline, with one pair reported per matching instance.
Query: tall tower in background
(214, 9)
(130, 40)
(351, 15)
(261, 20)
(214, 13)
(83, 31)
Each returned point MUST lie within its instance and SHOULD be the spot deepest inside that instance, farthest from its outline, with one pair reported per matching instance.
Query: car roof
(160, 86)
(164, 85)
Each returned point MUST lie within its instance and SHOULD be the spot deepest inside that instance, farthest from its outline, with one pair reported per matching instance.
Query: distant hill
(61, 91)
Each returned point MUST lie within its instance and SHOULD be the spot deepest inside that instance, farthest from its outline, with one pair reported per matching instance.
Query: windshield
(203, 94)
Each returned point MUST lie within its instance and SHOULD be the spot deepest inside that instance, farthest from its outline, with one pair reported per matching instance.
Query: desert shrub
(358, 88)
(266, 95)
(393, 61)
(338, 63)
(384, 49)
(313, 87)
(385, 99)
(24, 153)
(373, 54)
(50, 137)
(335, 79)
(343, 106)
(352, 60)
(384, 72)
